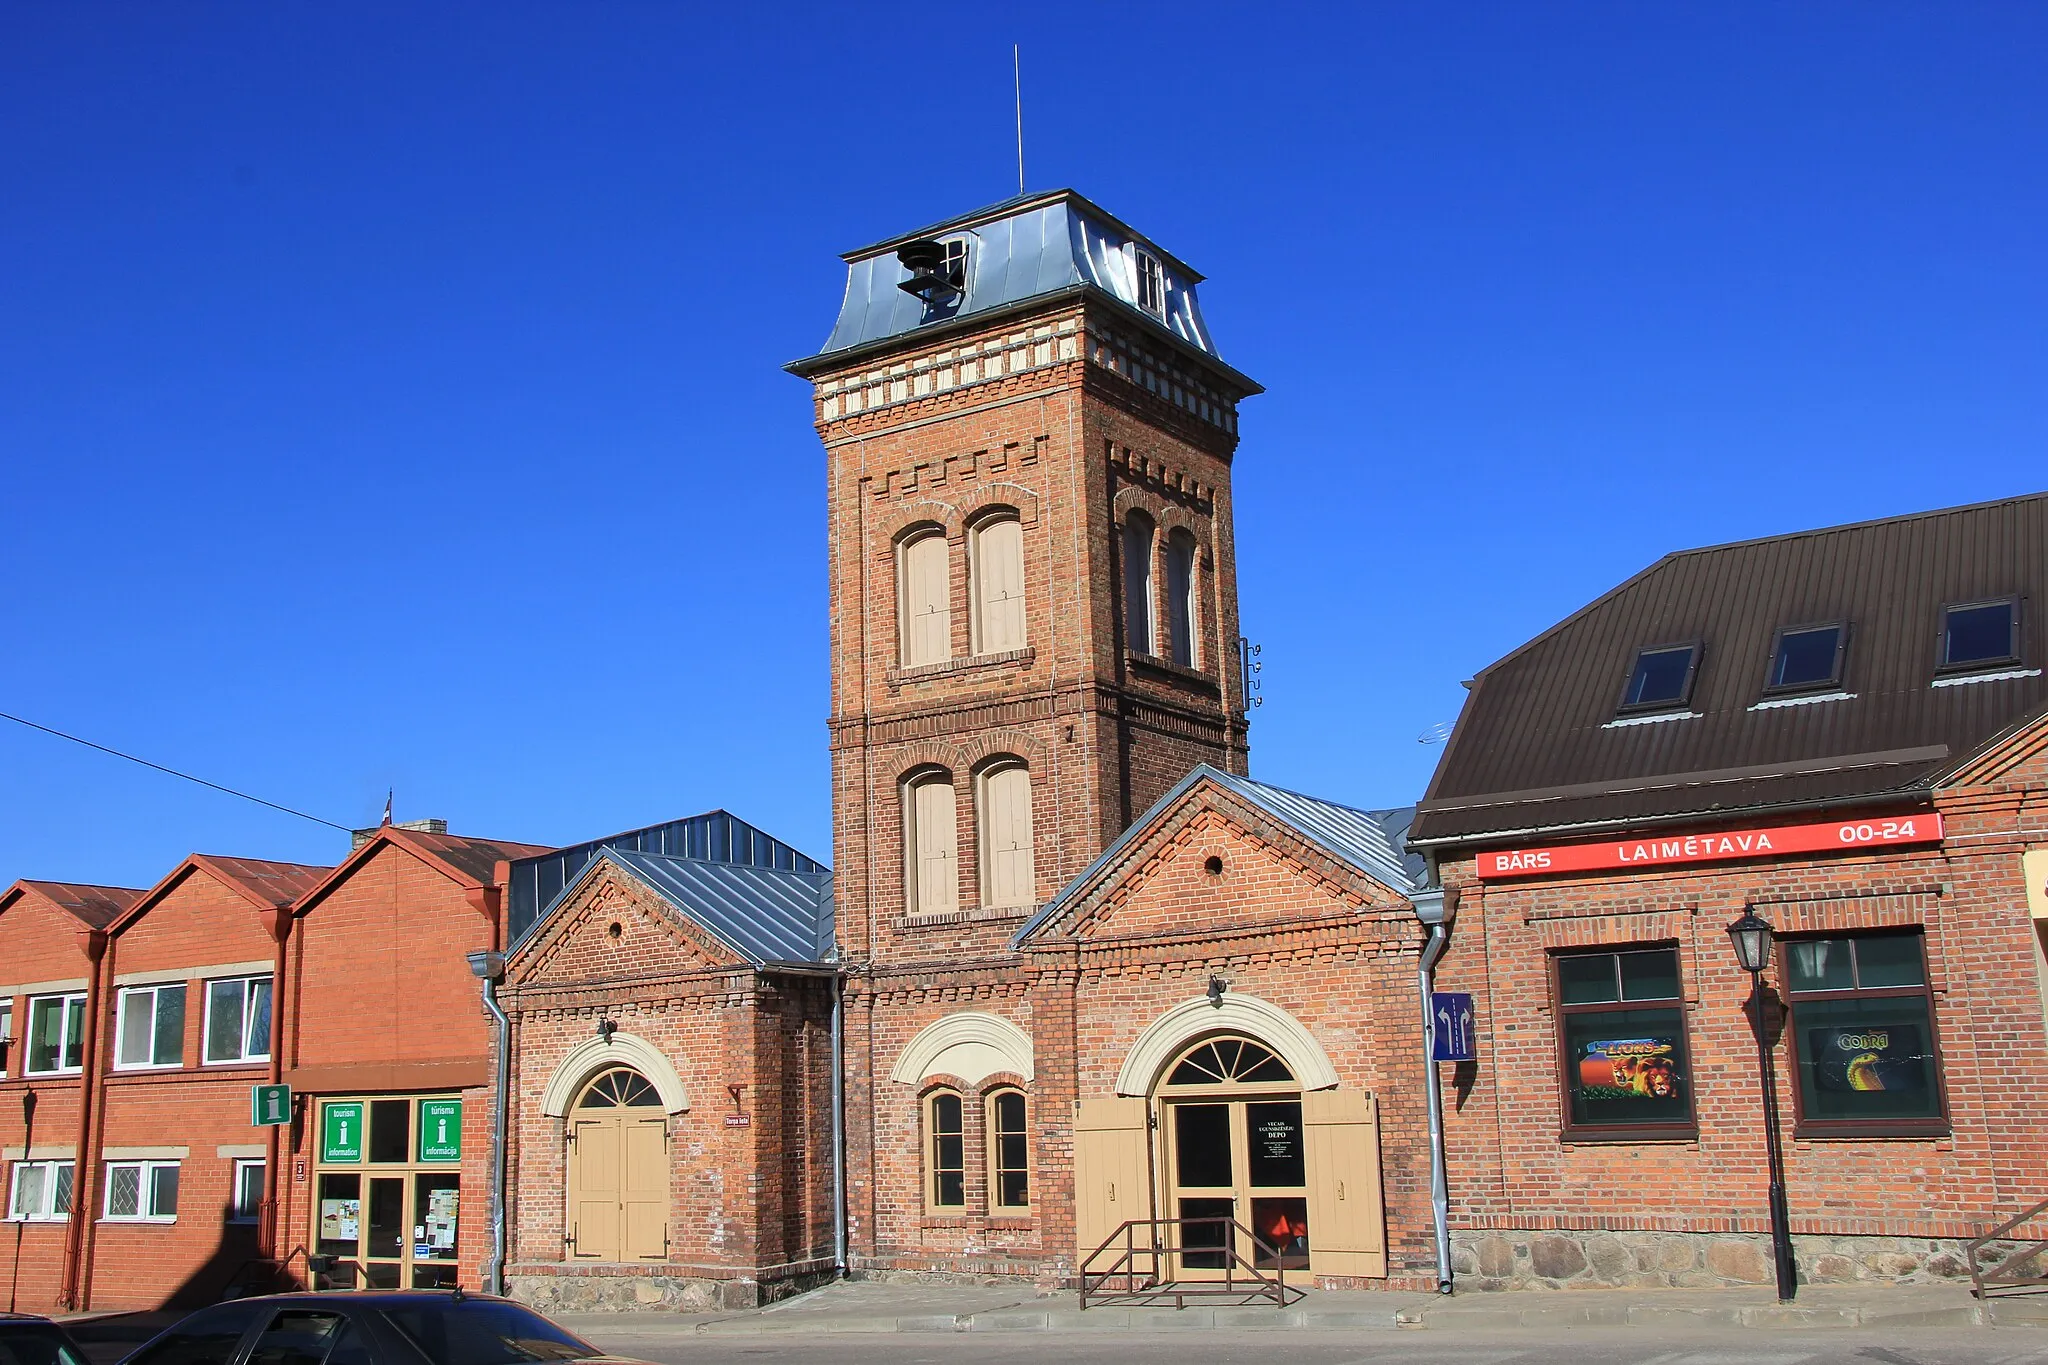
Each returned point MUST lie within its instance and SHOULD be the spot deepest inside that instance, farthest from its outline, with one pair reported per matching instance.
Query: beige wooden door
(1112, 1175)
(618, 1171)
(1347, 1219)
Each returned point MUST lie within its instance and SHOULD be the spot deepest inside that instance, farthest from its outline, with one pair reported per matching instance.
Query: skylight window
(1151, 284)
(1662, 677)
(1807, 657)
(1980, 634)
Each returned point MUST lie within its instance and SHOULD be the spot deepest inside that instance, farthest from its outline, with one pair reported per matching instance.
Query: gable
(198, 919)
(1212, 865)
(613, 927)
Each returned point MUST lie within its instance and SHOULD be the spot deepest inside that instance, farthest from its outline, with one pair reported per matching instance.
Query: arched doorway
(617, 1162)
(1235, 1151)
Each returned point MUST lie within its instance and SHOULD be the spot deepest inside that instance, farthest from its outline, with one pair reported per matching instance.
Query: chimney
(357, 838)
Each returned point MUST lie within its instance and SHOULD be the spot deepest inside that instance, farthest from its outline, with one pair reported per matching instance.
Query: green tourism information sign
(440, 1130)
(270, 1105)
(341, 1131)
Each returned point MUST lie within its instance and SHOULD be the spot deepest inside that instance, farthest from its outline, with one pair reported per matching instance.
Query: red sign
(1678, 850)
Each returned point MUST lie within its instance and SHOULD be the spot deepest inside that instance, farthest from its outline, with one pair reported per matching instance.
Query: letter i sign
(270, 1105)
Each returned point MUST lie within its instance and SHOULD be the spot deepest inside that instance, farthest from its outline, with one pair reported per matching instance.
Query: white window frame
(155, 993)
(145, 1192)
(6, 1032)
(64, 1041)
(237, 1211)
(48, 1213)
(1144, 263)
(248, 1054)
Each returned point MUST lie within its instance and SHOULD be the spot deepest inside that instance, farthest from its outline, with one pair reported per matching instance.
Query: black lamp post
(1752, 936)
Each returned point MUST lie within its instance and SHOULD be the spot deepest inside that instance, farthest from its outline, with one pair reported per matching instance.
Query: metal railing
(2000, 1259)
(1130, 1268)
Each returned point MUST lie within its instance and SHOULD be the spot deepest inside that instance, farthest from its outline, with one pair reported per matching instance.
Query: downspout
(94, 943)
(1436, 909)
(839, 1125)
(489, 966)
(279, 923)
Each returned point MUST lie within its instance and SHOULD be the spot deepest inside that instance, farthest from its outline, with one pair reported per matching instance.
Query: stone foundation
(630, 1290)
(1691, 1260)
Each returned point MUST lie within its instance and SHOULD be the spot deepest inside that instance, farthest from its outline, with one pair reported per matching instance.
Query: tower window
(1980, 634)
(946, 1167)
(925, 595)
(1662, 677)
(1810, 656)
(1137, 566)
(931, 843)
(1008, 873)
(1180, 596)
(1151, 283)
(998, 568)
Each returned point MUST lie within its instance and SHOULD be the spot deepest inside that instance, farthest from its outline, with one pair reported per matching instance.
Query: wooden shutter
(643, 1193)
(927, 613)
(1006, 828)
(594, 1190)
(1112, 1177)
(999, 587)
(1347, 1224)
(935, 838)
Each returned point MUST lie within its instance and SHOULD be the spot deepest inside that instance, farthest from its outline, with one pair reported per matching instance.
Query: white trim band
(592, 1055)
(970, 1044)
(1235, 1013)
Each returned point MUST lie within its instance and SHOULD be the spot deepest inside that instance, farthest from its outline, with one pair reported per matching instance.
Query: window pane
(1650, 976)
(223, 1021)
(1137, 567)
(29, 1182)
(1586, 979)
(124, 1191)
(1806, 657)
(1820, 964)
(1201, 1144)
(388, 1130)
(1660, 676)
(257, 1043)
(60, 1198)
(1626, 1067)
(138, 1027)
(74, 1031)
(1180, 597)
(1977, 634)
(45, 1033)
(248, 1189)
(1889, 960)
(1276, 1151)
(169, 1044)
(1866, 1059)
(1010, 1113)
(163, 1191)
(1014, 1189)
(341, 1214)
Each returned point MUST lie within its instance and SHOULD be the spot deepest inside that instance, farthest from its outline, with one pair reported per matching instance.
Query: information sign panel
(341, 1131)
(270, 1105)
(440, 1130)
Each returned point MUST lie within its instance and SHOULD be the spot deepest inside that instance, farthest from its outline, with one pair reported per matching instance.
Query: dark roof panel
(94, 906)
(1540, 745)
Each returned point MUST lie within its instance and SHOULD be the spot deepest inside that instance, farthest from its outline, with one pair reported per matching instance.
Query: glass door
(387, 1201)
(1236, 1164)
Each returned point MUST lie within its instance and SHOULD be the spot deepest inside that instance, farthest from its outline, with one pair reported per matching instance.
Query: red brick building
(1842, 730)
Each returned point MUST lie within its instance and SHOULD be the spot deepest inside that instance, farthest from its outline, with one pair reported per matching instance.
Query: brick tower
(1028, 436)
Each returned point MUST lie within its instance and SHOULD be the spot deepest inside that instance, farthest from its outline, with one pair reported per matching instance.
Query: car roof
(26, 1317)
(375, 1297)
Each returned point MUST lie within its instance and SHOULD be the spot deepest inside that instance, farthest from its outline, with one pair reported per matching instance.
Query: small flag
(388, 794)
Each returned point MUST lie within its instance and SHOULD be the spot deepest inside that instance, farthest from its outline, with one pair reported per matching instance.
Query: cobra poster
(1888, 1058)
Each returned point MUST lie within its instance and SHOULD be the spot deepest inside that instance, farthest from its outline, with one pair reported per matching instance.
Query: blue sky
(390, 394)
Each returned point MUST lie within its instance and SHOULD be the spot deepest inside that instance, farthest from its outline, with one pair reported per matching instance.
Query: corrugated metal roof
(764, 914)
(94, 906)
(1031, 247)
(1535, 748)
(715, 836)
(1366, 839)
(477, 859)
(277, 884)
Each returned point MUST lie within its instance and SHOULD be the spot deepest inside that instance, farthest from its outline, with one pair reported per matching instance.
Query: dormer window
(1980, 634)
(1151, 284)
(1662, 678)
(1807, 658)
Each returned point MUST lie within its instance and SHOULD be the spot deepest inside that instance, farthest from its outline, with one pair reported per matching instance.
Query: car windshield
(37, 1343)
(483, 1332)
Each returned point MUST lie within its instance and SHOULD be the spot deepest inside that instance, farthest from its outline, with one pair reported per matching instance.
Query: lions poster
(1629, 1069)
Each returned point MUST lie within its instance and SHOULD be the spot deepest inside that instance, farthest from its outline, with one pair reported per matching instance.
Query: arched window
(1180, 596)
(1137, 566)
(945, 1150)
(1008, 868)
(1009, 1151)
(931, 842)
(997, 564)
(925, 599)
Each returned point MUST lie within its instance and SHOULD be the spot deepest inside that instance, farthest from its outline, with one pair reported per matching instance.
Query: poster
(440, 1225)
(1864, 1058)
(341, 1220)
(1629, 1069)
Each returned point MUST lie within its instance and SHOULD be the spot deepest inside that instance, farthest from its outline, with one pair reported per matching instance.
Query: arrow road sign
(1452, 1036)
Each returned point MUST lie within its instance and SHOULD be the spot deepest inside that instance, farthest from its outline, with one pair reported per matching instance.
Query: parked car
(26, 1339)
(400, 1327)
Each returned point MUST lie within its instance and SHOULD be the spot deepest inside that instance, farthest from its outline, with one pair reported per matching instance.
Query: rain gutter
(1435, 909)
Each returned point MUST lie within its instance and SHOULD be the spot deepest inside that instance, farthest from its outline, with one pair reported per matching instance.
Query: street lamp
(1751, 936)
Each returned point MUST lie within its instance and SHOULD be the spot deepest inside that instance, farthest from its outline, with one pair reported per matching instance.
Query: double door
(618, 1185)
(1237, 1175)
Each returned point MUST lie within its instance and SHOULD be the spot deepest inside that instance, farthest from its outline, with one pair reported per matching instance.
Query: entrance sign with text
(1679, 850)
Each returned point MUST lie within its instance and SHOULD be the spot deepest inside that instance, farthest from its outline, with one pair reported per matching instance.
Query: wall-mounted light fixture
(605, 1029)
(1217, 985)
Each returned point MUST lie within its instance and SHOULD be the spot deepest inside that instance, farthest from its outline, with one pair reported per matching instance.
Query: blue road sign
(1450, 1014)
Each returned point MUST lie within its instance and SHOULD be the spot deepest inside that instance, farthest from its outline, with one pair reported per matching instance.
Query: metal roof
(93, 906)
(1369, 840)
(1022, 249)
(1538, 749)
(764, 914)
(715, 836)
